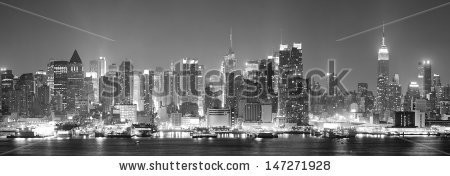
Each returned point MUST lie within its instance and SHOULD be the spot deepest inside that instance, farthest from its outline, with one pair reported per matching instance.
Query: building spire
(383, 44)
(230, 49)
(281, 36)
(231, 37)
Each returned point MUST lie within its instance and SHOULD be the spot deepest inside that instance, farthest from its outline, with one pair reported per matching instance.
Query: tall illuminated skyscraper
(102, 66)
(7, 88)
(395, 94)
(186, 74)
(227, 66)
(137, 94)
(292, 105)
(426, 78)
(382, 98)
(58, 83)
(126, 78)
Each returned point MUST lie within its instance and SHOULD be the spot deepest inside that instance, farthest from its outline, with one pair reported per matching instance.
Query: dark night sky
(152, 33)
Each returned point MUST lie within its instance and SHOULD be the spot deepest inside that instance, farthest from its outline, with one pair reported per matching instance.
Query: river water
(181, 144)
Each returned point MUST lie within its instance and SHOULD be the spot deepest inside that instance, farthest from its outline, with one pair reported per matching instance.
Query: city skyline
(206, 77)
(209, 43)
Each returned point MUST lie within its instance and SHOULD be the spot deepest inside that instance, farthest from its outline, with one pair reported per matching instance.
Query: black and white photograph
(225, 78)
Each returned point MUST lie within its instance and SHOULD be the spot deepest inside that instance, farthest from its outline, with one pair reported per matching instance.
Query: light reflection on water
(181, 143)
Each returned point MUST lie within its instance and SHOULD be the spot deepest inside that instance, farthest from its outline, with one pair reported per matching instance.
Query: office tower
(426, 77)
(163, 90)
(420, 76)
(251, 69)
(93, 79)
(110, 90)
(95, 74)
(42, 94)
(58, 83)
(24, 96)
(271, 74)
(6, 78)
(211, 102)
(93, 91)
(267, 78)
(126, 78)
(292, 100)
(148, 87)
(75, 76)
(382, 99)
(446, 92)
(201, 90)
(436, 80)
(186, 76)
(41, 105)
(158, 88)
(40, 79)
(227, 66)
(138, 98)
(102, 66)
(412, 94)
(395, 94)
(436, 94)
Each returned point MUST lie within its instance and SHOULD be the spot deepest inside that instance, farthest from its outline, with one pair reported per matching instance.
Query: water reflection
(181, 143)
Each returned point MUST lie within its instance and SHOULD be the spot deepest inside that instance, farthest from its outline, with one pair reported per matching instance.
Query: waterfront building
(175, 119)
(218, 117)
(128, 113)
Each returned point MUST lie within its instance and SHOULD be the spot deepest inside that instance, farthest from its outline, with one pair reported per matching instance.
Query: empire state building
(382, 99)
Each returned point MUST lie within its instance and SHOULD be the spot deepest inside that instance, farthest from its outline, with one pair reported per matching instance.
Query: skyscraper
(382, 99)
(138, 99)
(227, 66)
(426, 78)
(75, 84)
(412, 94)
(58, 80)
(186, 74)
(24, 95)
(40, 79)
(7, 87)
(126, 78)
(102, 66)
(148, 82)
(395, 94)
(292, 100)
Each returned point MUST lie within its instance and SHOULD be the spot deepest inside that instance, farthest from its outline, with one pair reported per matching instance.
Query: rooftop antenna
(281, 36)
(231, 37)
(383, 36)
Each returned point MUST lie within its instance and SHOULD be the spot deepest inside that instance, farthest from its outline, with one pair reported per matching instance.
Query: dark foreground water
(285, 145)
